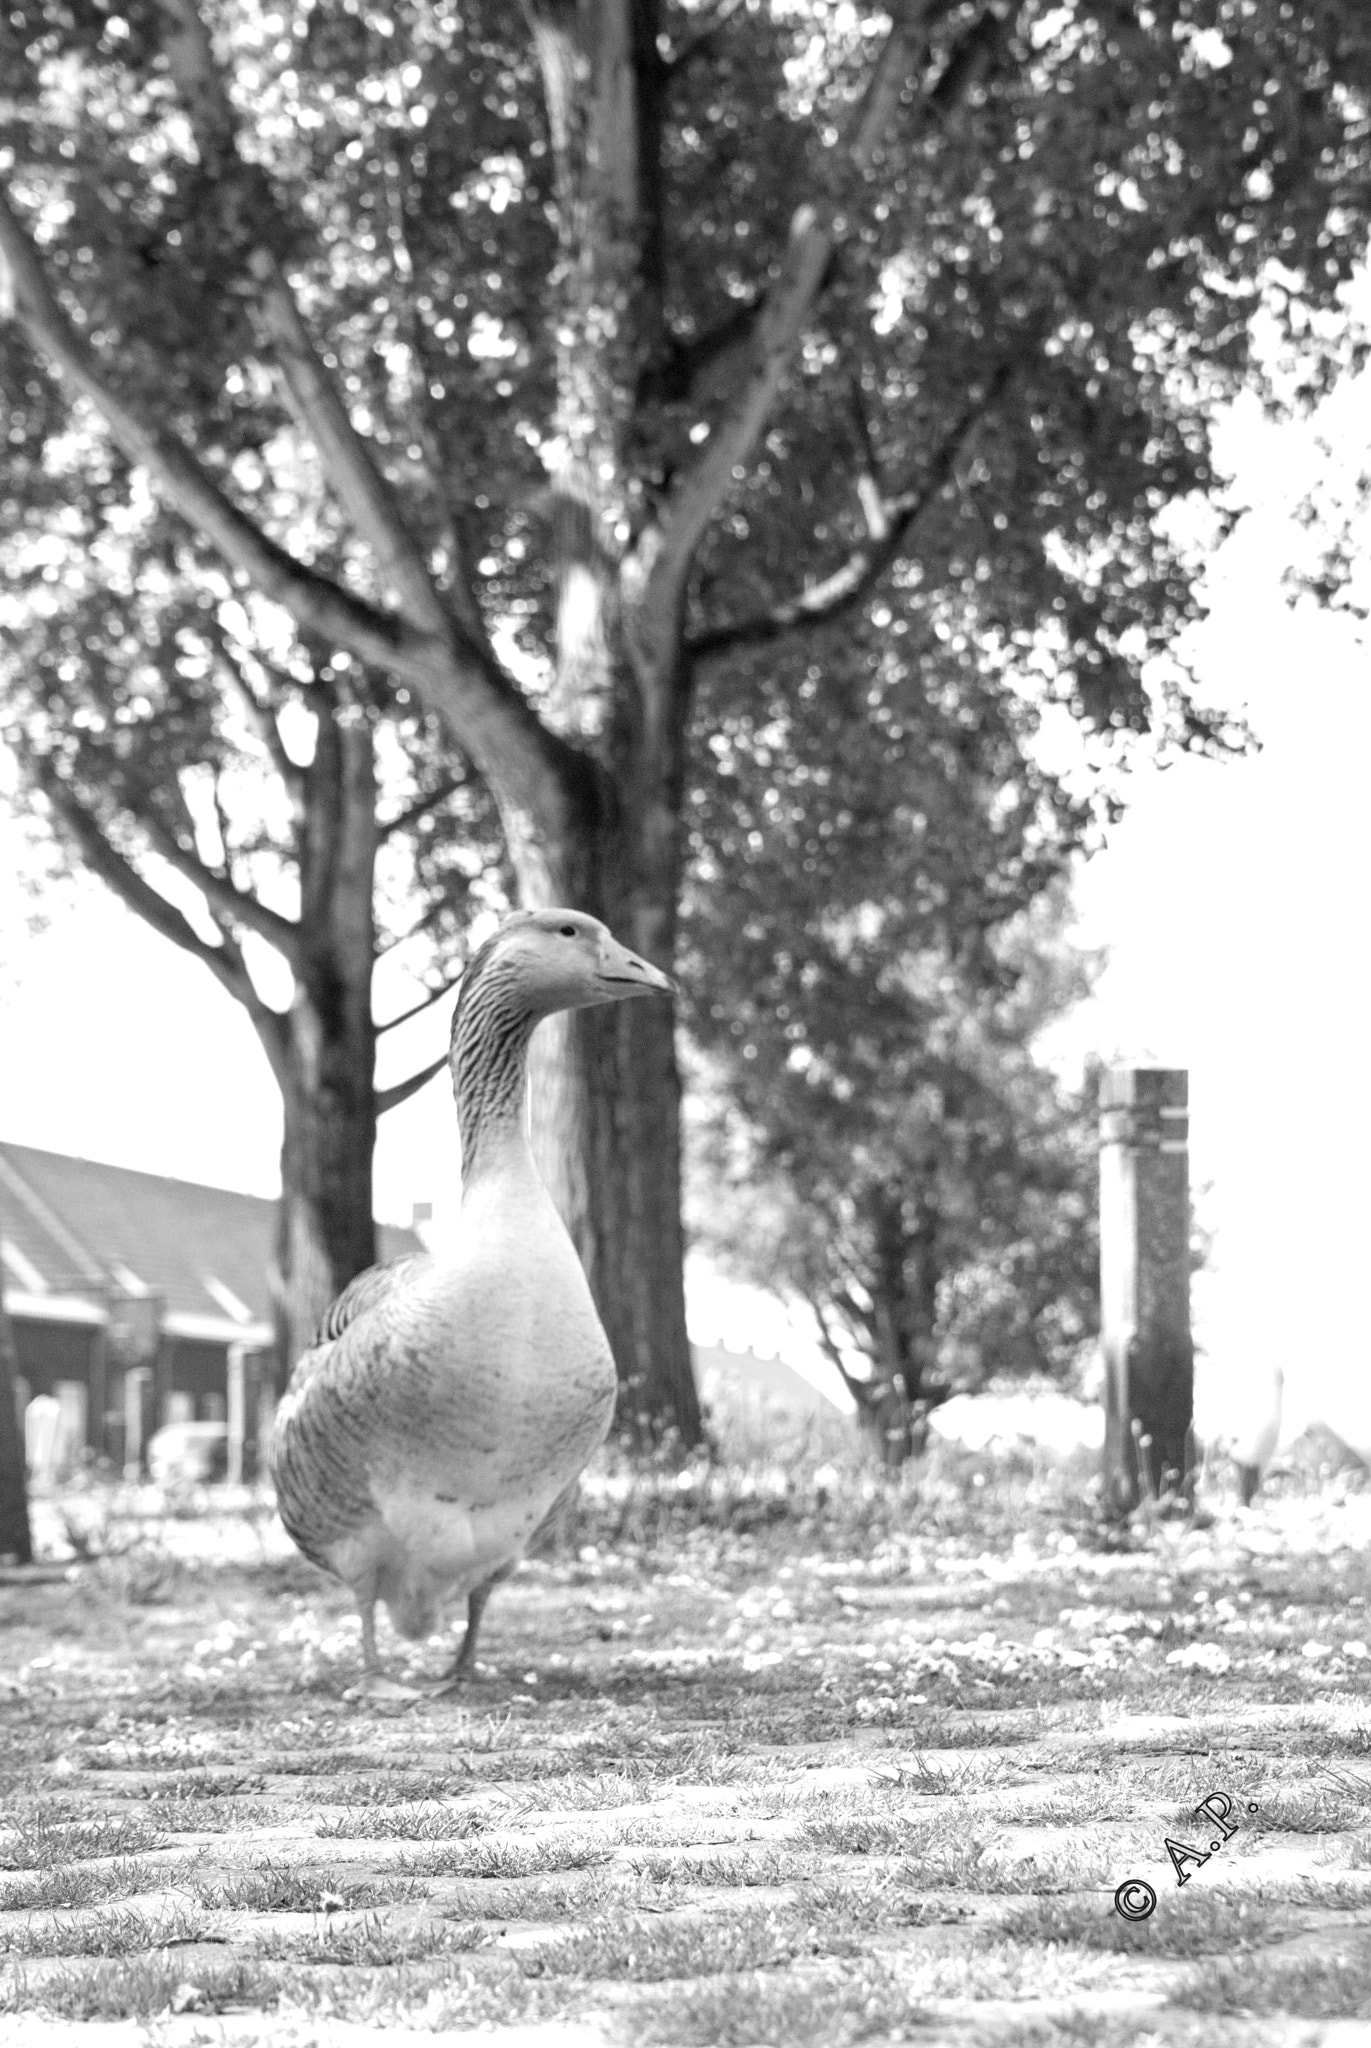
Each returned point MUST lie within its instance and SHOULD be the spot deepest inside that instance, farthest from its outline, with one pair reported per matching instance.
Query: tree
(157, 725)
(608, 339)
(875, 1138)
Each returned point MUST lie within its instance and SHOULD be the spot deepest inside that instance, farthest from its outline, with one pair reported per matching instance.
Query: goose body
(449, 1401)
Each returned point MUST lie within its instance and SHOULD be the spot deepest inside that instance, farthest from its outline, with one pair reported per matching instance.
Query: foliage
(549, 361)
(879, 1140)
(1077, 212)
(200, 740)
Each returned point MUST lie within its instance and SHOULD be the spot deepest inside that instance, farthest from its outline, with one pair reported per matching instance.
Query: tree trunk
(327, 1060)
(325, 1231)
(634, 1174)
(15, 1540)
(605, 1109)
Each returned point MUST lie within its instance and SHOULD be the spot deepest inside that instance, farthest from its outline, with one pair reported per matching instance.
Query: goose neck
(489, 1081)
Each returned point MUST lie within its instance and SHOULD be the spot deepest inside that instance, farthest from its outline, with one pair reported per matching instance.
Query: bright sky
(1233, 900)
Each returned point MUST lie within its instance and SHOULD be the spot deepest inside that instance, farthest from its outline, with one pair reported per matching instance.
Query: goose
(448, 1401)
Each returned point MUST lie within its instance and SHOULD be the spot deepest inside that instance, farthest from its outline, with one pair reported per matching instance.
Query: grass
(405, 1824)
(140, 1989)
(632, 1949)
(1335, 1986)
(280, 1889)
(45, 1840)
(535, 1857)
(370, 1944)
(124, 1931)
(757, 1758)
(71, 1885)
(868, 2001)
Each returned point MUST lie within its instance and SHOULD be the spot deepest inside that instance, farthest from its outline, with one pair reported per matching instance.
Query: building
(762, 1389)
(137, 1301)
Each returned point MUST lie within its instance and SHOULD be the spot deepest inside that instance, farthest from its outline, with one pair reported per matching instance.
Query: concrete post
(1149, 1360)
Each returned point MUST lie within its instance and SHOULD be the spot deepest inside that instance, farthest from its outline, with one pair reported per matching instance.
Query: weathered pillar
(1149, 1359)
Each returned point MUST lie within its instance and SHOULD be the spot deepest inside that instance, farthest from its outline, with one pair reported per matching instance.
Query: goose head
(564, 960)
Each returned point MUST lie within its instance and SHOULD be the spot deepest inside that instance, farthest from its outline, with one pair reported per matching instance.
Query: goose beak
(625, 974)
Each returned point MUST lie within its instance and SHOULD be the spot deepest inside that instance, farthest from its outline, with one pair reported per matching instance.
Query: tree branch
(351, 470)
(391, 1098)
(420, 808)
(464, 688)
(421, 924)
(220, 893)
(697, 492)
(426, 1002)
(119, 874)
(262, 717)
(860, 1390)
(889, 521)
(317, 603)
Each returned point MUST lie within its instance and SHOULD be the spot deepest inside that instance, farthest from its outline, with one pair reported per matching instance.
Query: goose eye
(566, 931)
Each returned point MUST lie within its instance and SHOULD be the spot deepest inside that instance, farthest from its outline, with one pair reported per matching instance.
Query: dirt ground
(755, 1758)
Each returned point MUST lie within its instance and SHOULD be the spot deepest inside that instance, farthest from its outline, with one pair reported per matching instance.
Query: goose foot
(376, 1685)
(464, 1671)
(459, 1678)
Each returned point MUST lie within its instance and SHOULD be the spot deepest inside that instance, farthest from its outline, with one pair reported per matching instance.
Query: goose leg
(464, 1662)
(466, 1657)
(375, 1683)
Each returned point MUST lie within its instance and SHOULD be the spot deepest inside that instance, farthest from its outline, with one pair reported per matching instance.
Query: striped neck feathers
(490, 1033)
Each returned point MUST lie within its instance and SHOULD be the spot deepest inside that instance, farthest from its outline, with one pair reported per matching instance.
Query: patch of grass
(1314, 1987)
(407, 1824)
(1356, 1785)
(44, 1840)
(737, 2012)
(401, 1788)
(1078, 1806)
(533, 1899)
(1011, 1969)
(222, 1816)
(1070, 1869)
(70, 1886)
(633, 1950)
(531, 1856)
(748, 1866)
(320, 1763)
(1310, 1810)
(1190, 1924)
(610, 1788)
(866, 1834)
(125, 1931)
(273, 1888)
(453, 1992)
(140, 1989)
(944, 1781)
(942, 1731)
(205, 1785)
(371, 1944)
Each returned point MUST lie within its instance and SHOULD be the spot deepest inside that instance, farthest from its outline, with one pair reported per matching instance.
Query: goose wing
(325, 1423)
(367, 1291)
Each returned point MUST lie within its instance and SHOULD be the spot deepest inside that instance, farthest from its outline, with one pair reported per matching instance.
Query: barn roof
(73, 1230)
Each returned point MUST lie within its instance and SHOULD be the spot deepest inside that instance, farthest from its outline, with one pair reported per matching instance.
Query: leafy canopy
(1041, 282)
